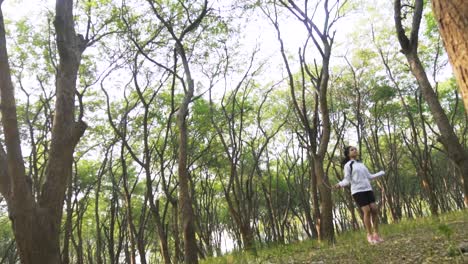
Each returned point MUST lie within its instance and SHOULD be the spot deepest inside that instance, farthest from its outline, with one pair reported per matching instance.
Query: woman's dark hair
(346, 156)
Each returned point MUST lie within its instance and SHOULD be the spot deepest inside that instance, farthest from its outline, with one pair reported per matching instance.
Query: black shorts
(364, 198)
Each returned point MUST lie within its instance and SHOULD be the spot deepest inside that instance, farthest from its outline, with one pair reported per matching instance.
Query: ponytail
(346, 156)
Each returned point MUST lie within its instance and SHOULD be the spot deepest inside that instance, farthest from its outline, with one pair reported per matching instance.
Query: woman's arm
(375, 175)
(347, 177)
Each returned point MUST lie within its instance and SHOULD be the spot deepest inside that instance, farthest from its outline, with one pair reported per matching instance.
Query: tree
(452, 17)
(315, 119)
(230, 122)
(417, 141)
(185, 198)
(36, 223)
(409, 47)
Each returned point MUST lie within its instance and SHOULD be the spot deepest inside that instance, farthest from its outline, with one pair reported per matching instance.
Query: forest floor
(424, 240)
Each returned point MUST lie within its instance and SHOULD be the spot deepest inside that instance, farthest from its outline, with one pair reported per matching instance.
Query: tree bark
(452, 18)
(185, 199)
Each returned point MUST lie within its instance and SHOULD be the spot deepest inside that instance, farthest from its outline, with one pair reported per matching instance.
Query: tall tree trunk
(127, 196)
(271, 214)
(36, 225)
(326, 202)
(452, 17)
(454, 149)
(185, 199)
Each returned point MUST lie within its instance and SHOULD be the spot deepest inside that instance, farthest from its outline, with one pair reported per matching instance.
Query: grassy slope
(425, 240)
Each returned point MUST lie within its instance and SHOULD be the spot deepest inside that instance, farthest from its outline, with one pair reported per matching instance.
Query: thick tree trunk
(14, 187)
(315, 223)
(327, 232)
(36, 226)
(452, 17)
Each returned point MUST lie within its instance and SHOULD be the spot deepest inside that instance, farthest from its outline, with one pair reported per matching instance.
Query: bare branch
(402, 38)
(417, 16)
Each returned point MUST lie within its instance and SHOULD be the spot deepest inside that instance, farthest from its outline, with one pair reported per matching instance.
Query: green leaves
(383, 93)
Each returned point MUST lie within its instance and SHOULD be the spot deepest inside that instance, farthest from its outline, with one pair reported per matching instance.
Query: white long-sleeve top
(360, 178)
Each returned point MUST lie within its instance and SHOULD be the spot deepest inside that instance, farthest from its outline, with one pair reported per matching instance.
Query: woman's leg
(375, 222)
(367, 218)
(375, 217)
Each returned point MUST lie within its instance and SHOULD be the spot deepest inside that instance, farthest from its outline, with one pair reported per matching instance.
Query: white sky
(17, 9)
(258, 31)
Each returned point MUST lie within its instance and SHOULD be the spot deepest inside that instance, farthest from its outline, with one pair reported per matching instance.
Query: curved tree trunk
(449, 139)
(185, 197)
(454, 149)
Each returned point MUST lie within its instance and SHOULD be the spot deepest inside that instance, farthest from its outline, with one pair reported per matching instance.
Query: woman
(356, 174)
